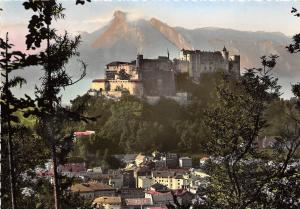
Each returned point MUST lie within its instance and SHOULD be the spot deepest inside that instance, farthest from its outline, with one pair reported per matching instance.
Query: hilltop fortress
(196, 62)
(155, 78)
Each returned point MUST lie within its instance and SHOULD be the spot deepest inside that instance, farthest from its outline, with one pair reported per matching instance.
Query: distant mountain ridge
(122, 39)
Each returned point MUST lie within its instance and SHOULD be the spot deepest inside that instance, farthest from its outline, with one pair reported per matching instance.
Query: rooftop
(116, 63)
(90, 187)
(157, 193)
(163, 174)
(157, 208)
(138, 201)
(111, 200)
(159, 187)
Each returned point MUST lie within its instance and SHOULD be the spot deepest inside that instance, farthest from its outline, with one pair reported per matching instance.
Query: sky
(269, 16)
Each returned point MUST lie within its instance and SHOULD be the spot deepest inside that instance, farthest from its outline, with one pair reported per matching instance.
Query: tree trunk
(50, 126)
(55, 177)
(9, 143)
(11, 169)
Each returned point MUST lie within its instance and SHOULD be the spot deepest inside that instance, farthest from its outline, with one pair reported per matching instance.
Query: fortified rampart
(156, 77)
(196, 62)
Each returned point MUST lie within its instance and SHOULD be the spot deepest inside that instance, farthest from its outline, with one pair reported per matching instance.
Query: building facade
(197, 62)
(155, 78)
(141, 77)
(185, 162)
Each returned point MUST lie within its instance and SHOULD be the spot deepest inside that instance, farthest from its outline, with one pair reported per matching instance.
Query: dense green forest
(131, 125)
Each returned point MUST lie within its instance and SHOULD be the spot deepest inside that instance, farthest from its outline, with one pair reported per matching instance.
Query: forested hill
(132, 125)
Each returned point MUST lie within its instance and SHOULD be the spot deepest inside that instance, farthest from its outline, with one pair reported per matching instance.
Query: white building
(145, 182)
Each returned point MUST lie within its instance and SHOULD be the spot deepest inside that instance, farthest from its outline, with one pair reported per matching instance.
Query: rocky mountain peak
(115, 29)
(120, 15)
(171, 34)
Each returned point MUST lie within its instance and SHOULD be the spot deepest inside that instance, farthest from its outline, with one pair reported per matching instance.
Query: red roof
(83, 133)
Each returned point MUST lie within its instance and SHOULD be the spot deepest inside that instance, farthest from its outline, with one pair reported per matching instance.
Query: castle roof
(116, 63)
(103, 80)
(202, 53)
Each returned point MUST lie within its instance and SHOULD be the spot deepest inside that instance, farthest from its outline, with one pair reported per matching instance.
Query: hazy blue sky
(253, 15)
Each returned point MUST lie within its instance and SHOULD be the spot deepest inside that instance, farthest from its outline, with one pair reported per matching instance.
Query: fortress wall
(113, 86)
(134, 87)
(112, 71)
(127, 67)
(234, 65)
(157, 64)
(181, 66)
(98, 85)
(158, 83)
(204, 62)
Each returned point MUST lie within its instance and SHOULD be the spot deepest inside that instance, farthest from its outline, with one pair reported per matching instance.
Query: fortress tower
(225, 53)
(196, 62)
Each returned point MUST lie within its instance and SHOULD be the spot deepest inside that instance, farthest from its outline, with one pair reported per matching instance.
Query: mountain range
(122, 39)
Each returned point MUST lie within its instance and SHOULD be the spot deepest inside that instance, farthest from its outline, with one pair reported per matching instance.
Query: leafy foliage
(240, 174)
(295, 46)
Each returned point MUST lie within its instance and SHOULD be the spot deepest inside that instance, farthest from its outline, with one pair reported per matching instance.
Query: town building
(138, 203)
(108, 202)
(128, 193)
(126, 158)
(141, 171)
(72, 167)
(116, 181)
(145, 182)
(93, 190)
(170, 179)
(183, 196)
(159, 188)
(185, 162)
(170, 159)
(159, 198)
(140, 158)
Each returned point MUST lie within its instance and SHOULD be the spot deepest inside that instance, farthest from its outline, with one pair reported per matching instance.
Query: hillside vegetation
(131, 125)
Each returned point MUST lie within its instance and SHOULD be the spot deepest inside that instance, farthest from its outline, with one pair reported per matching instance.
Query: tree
(295, 46)
(10, 61)
(240, 175)
(49, 111)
